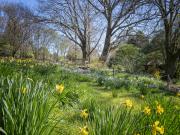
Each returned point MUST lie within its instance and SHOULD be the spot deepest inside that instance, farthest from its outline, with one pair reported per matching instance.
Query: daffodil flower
(128, 103)
(84, 131)
(147, 110)
(84, 113)
(59, 88)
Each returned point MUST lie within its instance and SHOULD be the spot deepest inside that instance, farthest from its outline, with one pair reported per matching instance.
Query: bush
(128, 57)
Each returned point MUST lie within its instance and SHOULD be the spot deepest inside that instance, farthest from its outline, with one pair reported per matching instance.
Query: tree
(17, 29)
(43, 38)
(61, 46)
(168, 12)
(74, 19)
(120, 16)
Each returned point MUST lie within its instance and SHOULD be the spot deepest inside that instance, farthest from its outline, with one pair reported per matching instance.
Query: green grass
(81, 92)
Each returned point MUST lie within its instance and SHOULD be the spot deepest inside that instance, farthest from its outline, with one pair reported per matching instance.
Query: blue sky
(29, 3)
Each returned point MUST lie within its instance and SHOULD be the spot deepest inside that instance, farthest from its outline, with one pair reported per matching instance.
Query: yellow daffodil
(59, 88)
(157, 74)
(147, 110)
(142, 96)
(84, 113)
(23, 90)
(84, 131)
(128, 103)
(156, 128)
(159, 109)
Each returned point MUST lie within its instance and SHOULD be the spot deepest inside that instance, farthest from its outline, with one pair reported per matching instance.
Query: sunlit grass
(81, 92)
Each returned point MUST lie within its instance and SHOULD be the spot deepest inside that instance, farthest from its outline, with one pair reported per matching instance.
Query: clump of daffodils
(156, 128)
(128, 103)
(59, 88)
(159, 109)
(84, 131)
(147, 110)
(84, 113)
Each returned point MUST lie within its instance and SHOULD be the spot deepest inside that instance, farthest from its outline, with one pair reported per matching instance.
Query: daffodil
(128, 103)
(156, 128)
(24, 90)
(147, 110)
(59, 88)
(84, 131)
(84, 113)
(157, 74)
(159, 109)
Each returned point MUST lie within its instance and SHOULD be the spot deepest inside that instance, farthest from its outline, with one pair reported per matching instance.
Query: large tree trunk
(84, 54)
(171, 65)
(107, 44)
(171, 57)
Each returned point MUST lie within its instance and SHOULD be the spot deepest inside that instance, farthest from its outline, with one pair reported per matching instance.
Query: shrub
(130, 57)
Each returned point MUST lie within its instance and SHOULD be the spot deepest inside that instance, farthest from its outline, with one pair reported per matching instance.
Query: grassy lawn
(59, 112)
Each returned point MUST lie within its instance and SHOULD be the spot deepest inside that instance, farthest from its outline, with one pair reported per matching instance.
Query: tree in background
(61, 47)
(42, 40)
(17, 30)
(168, 11)
(75, 20)
(120, 17)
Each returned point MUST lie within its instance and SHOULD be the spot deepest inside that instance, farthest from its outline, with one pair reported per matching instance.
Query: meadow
(43, 98)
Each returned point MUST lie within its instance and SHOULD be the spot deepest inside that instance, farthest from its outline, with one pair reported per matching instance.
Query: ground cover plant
(39, 98)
